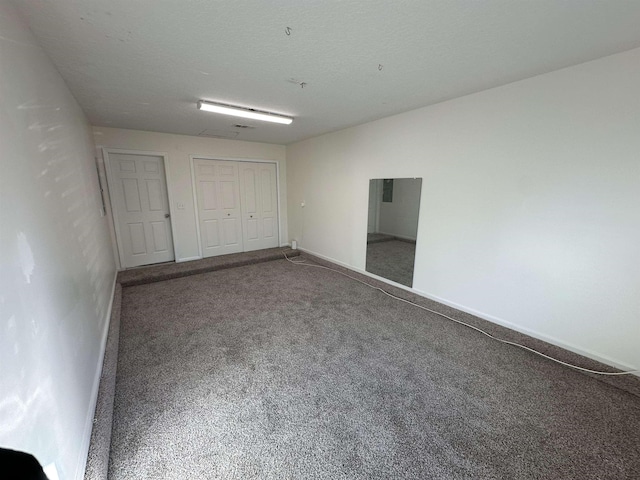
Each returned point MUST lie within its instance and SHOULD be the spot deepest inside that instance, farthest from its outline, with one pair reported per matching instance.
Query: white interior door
(138, 192)
(259, 199)
(218, 203)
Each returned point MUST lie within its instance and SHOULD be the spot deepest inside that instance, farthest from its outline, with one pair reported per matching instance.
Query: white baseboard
(188, 259)
(490, 318)
(533, 333)
(84, 451)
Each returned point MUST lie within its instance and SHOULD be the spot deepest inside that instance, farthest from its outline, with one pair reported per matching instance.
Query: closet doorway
(236, 205)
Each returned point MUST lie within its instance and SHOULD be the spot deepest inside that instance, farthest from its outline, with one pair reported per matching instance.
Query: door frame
(228, 159)
(376, 192)
(114, 213)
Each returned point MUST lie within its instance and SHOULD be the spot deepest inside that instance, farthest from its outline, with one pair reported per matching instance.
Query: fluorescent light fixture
(243, 112)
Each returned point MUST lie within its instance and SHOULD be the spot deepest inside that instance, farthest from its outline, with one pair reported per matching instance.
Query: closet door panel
(259, 196)
(218, 203)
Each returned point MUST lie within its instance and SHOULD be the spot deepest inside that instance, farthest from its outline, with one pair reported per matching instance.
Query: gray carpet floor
(392, 259)
(278, 371)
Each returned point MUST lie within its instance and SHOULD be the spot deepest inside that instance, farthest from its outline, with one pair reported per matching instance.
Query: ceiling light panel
(243, 112)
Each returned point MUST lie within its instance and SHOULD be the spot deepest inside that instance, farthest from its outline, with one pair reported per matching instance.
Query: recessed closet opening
(236, 204)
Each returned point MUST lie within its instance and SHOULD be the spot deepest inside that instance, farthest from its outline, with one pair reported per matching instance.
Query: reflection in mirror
(392, 228)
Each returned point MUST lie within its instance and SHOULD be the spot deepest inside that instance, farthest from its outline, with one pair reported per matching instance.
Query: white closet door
(141, 209)
(259, 198)
(218, 198)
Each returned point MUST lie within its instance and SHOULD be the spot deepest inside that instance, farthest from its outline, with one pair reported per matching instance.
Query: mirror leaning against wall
(392, 228)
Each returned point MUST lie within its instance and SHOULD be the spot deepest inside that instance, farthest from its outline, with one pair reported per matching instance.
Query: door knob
(166, 215)
(228, 214)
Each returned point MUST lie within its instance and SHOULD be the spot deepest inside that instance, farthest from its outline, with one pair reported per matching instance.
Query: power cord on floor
(515, 344)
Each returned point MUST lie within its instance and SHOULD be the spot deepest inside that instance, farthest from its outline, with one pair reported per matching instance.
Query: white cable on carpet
(629, 372)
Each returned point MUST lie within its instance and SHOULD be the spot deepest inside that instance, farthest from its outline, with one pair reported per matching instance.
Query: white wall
(530, 210)
(179, 148)
(57, 267)
(400, 216)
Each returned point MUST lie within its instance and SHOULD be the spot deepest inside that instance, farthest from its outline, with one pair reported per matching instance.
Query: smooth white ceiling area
(144, 64)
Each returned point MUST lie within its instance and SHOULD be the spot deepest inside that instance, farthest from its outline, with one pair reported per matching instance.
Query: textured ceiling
(143, 64)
